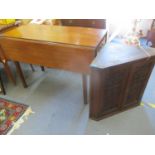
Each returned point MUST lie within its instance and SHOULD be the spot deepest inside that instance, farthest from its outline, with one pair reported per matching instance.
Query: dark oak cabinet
(119, 75)
(137, 82)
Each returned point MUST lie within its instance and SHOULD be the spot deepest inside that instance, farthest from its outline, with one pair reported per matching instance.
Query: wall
(122, 27)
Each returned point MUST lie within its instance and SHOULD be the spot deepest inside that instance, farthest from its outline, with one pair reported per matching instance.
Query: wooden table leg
(19, 70)
(2, 86)
(32, 67)
(9, 72)
(84, 84)
(42, 68)
(106, 37)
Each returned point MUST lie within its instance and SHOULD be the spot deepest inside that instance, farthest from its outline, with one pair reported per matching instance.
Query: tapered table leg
(84, 84)
(2, 86)
(32, 67)
(42, 68)
(9, 72)
(21, 75)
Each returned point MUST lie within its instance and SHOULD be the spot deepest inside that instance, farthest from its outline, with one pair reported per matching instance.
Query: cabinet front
(107, 91)
(139, 76)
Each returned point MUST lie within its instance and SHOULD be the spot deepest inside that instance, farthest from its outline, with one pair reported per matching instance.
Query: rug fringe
(17, 124)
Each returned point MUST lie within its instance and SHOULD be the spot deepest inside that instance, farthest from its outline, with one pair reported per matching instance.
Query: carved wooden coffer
(119, 75)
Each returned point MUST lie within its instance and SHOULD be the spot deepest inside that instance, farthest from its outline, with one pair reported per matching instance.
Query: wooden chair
(90, 23)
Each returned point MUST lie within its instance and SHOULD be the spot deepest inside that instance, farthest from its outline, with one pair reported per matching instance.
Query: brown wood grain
(119, 75)
(60, 56)
(78, 36)
(61, 47)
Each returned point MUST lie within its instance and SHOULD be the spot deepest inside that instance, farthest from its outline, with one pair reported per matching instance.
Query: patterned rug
(12, 115)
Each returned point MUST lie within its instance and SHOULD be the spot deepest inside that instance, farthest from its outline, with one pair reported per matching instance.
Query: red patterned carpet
(12, 114)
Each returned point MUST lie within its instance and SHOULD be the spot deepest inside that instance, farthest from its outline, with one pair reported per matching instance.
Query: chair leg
(32, 67)
(21, 75)
(42, 68)
(2, 86)
(84, 84)
(8, 72)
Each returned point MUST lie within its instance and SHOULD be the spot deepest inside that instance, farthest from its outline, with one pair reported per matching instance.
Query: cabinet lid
(113, 54)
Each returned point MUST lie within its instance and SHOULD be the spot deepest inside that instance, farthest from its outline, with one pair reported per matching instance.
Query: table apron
(54, 55)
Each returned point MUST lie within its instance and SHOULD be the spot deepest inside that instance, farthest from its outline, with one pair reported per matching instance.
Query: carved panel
(138, 79)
